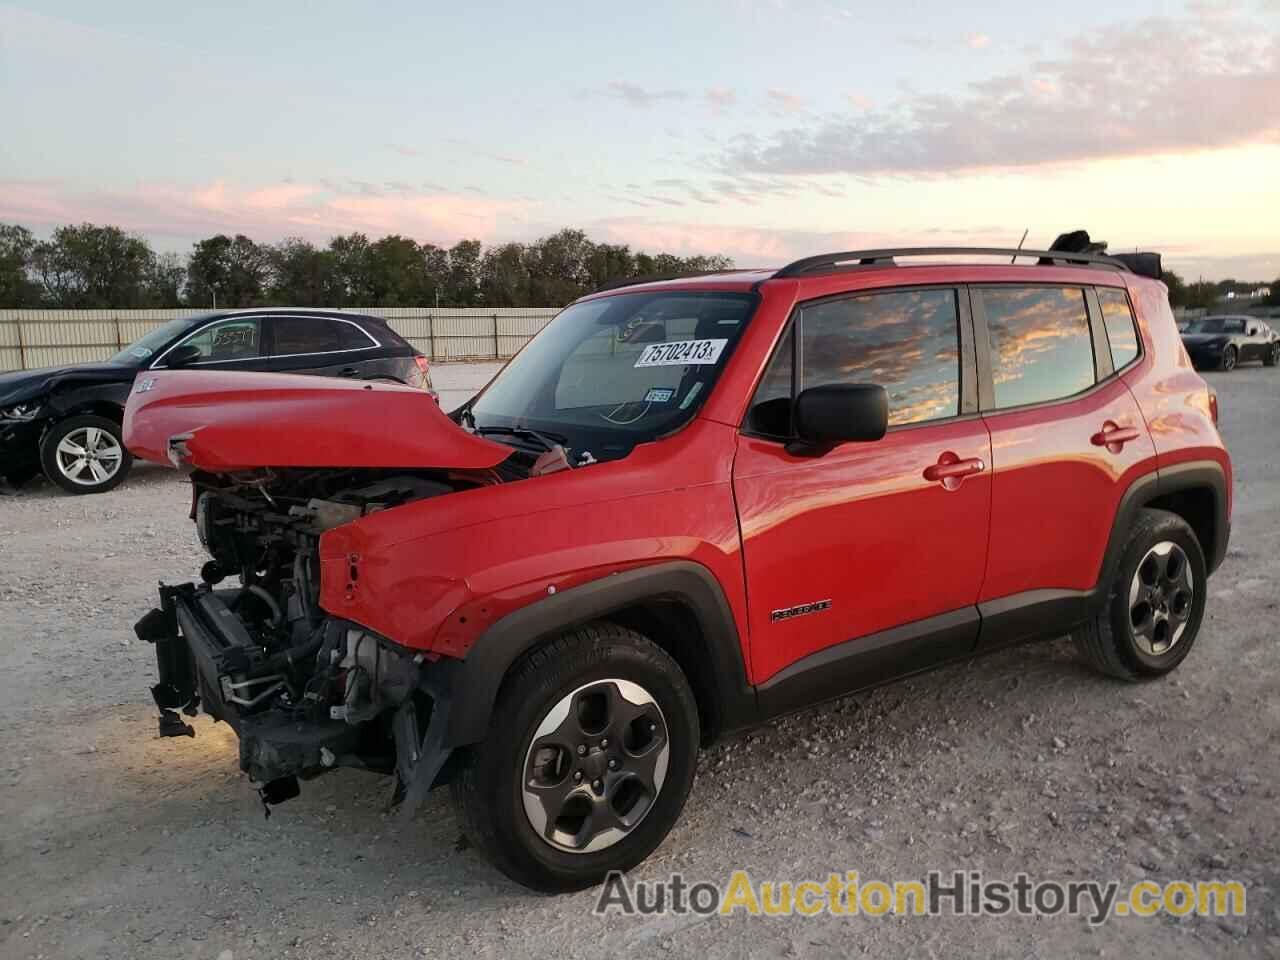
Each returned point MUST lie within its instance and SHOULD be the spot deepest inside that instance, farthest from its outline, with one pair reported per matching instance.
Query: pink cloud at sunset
(275, 210)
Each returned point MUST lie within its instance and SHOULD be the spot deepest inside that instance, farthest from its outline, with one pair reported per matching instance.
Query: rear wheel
(85, 454)
(588, 762)
(1228, 361)
(1155, 603)
(1273, 355)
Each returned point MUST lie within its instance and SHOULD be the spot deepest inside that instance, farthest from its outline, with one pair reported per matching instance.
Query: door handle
(950, 470)
(348, 372)
(1114, 437)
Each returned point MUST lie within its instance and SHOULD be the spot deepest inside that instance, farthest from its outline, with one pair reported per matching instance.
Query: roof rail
(889, 257)
(617, 282)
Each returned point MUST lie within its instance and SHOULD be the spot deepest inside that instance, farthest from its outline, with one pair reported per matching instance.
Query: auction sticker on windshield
(678, 353)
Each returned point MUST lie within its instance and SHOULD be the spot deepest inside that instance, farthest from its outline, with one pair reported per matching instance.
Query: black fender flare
(1196, 474)
(473, 682)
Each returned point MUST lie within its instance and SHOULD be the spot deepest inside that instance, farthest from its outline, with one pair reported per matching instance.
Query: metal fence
(44, 338)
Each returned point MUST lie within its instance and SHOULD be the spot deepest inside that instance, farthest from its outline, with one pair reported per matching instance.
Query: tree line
(88, 265)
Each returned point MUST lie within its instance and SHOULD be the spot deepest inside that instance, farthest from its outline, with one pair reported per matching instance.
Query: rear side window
(307, 335)
(1040, 343)
(1121, 333)
(907, 342)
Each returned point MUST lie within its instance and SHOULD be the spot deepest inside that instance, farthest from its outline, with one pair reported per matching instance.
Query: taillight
(1213, 406)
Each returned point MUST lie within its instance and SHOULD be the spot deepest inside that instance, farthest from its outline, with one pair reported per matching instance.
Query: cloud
(860, 101)
(637, 96)
(267, 212)
(977, 41)
(1157, 86)
(788, 102)
(721, 98)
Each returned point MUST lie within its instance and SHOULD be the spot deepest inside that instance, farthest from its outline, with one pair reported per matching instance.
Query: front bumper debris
(202, 648)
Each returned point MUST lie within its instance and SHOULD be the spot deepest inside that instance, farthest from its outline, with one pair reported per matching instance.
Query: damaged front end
(306, 691)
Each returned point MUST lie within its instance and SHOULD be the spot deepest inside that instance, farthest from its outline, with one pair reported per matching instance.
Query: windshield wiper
(549, 441)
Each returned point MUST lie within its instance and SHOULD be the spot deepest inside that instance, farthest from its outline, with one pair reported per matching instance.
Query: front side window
(607, 374)
(1118, 319)
(236, 339)
(1041, 348)
(907, 342)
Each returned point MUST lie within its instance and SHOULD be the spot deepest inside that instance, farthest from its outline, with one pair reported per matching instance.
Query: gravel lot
(117, 844)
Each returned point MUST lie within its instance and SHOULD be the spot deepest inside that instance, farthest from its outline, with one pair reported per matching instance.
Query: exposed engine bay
(306, 691)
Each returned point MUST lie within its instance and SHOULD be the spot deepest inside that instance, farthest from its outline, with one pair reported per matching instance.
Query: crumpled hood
(227, 422)
(22, 385)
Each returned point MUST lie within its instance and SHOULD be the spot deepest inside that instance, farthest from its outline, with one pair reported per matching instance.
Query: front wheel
(588, 762)
(85, 454)
(1228, 361)
(1273, 355)
(1155, 602)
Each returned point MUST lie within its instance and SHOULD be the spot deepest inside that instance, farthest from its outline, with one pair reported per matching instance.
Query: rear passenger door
(1067, 438)
(865, 562)
(327, 346)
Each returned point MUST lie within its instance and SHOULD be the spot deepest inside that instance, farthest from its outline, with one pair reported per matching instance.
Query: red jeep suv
(685, 507)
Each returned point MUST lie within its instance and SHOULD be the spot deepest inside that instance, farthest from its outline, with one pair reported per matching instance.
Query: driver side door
(866, 562)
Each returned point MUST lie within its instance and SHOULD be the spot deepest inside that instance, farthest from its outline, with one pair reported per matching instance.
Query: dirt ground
(116, 844)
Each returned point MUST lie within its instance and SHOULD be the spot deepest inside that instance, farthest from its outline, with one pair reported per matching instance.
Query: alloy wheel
(595, 766)
(1161, 597)
(1229, 359)
(89, 456)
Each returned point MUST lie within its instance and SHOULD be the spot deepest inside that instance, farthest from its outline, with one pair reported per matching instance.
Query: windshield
(145, 347)
(1216, 325)
(610, 373)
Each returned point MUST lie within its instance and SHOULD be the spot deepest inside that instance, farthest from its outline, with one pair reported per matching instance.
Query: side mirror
(182, 356)
(839, 413)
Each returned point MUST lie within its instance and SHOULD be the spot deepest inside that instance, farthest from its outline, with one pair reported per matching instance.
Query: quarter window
(236, 339)
(1118, 319)
(1040, 343)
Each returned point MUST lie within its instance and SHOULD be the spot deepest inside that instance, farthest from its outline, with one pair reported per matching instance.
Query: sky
(763, 130)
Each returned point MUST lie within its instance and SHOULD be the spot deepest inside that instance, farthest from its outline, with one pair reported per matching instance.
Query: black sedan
(1220, 343)
(65, 421)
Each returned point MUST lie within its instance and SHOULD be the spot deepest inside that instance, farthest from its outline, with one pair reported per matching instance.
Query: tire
(592, 674)
(1124, 641)
(1273, 355)
(1229, 359)
(105, 470)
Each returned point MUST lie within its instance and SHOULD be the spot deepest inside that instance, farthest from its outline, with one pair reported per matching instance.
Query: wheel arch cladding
(1195, 491)
(672, 597)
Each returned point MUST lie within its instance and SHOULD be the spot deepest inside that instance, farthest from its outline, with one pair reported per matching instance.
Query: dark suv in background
(66, 420)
